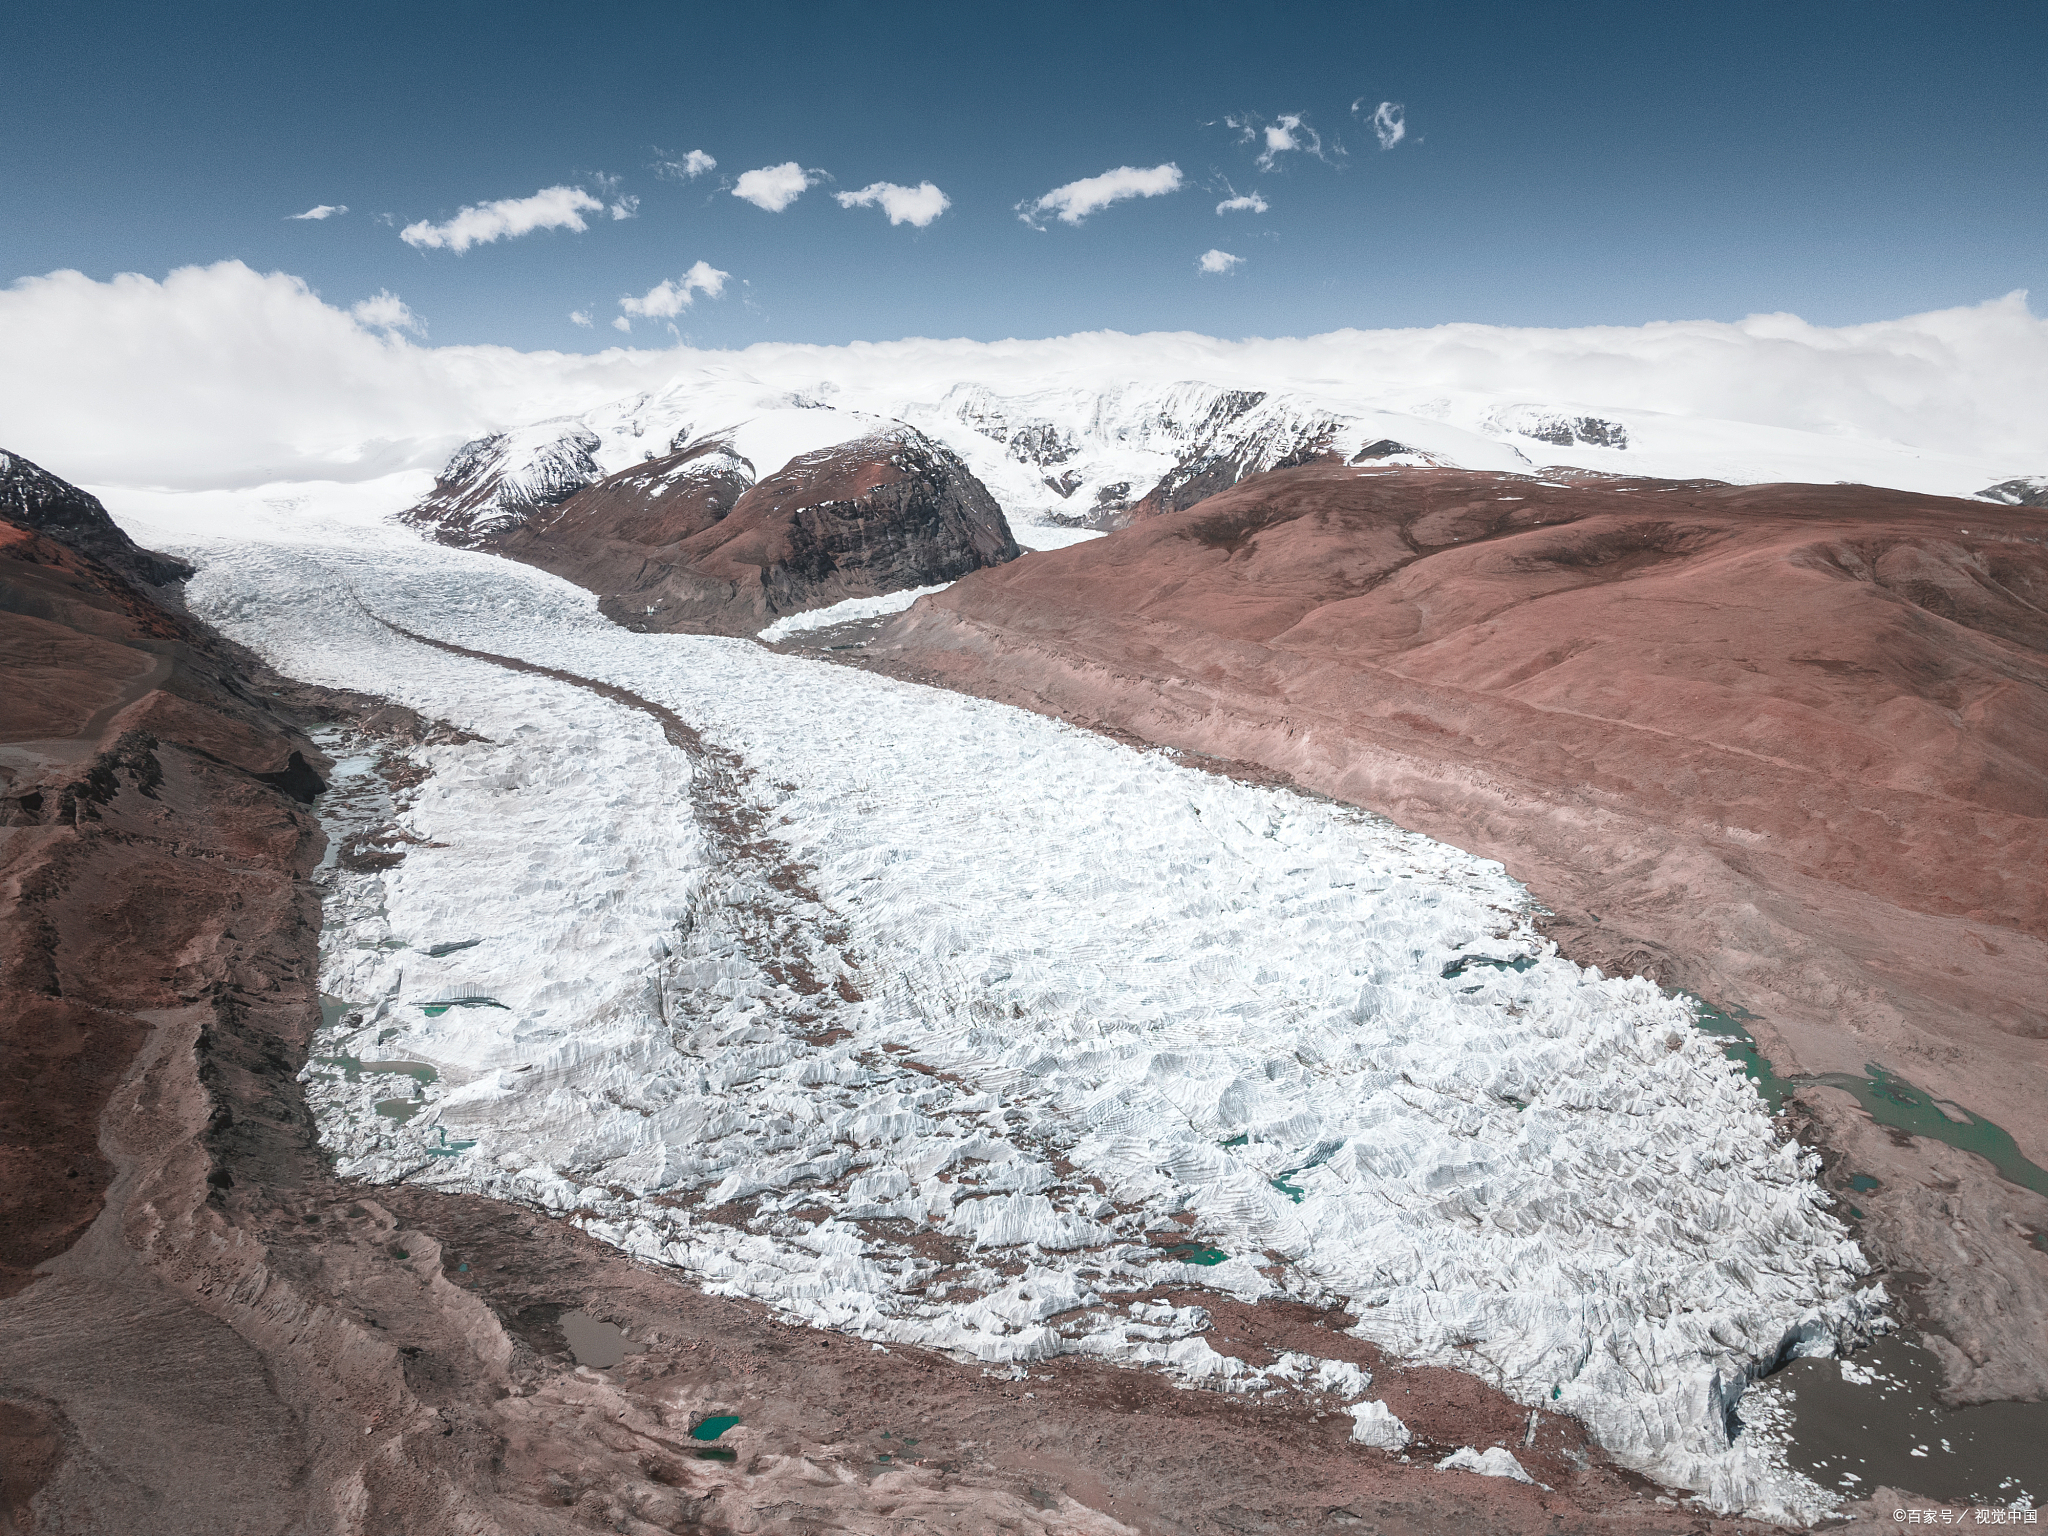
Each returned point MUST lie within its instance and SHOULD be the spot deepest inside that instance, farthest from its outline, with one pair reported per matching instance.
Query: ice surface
(978, 1001)
(846, 612)
(1373, 1423)
(1497, 1462)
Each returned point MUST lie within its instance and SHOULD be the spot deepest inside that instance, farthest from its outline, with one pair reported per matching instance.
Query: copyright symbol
(1899, 1515)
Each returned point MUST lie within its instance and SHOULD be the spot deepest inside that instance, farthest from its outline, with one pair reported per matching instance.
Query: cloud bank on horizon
(221, 377)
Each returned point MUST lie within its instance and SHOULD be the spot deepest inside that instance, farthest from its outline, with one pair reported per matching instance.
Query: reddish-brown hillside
(1783, 745)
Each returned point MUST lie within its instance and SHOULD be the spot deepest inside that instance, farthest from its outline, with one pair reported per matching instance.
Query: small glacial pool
(595, 1342)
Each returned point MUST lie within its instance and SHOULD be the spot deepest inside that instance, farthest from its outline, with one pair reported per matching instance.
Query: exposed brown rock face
(136, 768)
(1785, 746)
(690, 542)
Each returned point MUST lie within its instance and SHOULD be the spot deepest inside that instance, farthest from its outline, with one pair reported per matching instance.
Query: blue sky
(1591, 164)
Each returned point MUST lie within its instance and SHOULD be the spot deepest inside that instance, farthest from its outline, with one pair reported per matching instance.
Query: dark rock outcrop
(687, 543)
(2026, 491)
(32, 497)
(1384, 448)
(1561, 429)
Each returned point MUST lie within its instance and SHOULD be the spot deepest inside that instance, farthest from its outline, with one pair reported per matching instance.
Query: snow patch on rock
(1497, 1462)
(853, 608)
(1374, 1424)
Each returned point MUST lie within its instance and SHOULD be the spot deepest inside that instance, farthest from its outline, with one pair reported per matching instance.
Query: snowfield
(877, 962)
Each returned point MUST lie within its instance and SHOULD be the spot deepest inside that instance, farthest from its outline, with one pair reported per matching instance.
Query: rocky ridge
(692, 541)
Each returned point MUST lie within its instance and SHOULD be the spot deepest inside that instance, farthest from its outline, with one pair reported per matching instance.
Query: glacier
(932, 1019)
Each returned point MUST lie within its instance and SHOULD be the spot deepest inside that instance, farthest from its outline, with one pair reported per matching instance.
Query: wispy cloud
(689, 168)
(323, 211)
(1219, 261)
(625, 207)
(1077, 199)
(1241, 202)
(386, 311)
(917, 205)
(1289, 133)
(774, 187)
(549, 208)
(580, 317)
(671, 296)
(1389, 120)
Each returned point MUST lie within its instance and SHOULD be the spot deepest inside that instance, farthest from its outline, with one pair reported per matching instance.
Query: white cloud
(549, 208)
(580, 317)
(1219, 261)
(670, 297)
(621, 323)
(1389, 121)
(773, 187)
(625, 207)
(689, 168)
(386, 311)
(1288, 132)
(1243, 202)
(1077, 199)
(323, 211)
(917, 205)
(221, 376)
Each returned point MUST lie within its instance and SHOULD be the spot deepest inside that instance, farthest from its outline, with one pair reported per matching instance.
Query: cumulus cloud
(917, 205)
(580, 317)
(323, 211)
(774, 187)
(1389, 121)
(222, 376)
(1077, 199)
(386, 311)
(549, 208)
(689, 168)
(1219, 261)
(671, 296)
(1241, 202)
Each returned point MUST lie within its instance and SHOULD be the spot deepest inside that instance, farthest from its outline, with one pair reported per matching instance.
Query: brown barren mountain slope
(691, 542)
(1785, 746)
(203, 1330)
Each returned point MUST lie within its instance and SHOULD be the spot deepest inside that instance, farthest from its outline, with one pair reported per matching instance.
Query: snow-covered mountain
(1054, 459)
(1098, 452)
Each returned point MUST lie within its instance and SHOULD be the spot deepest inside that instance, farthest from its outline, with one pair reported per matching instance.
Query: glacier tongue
(919, 1015)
